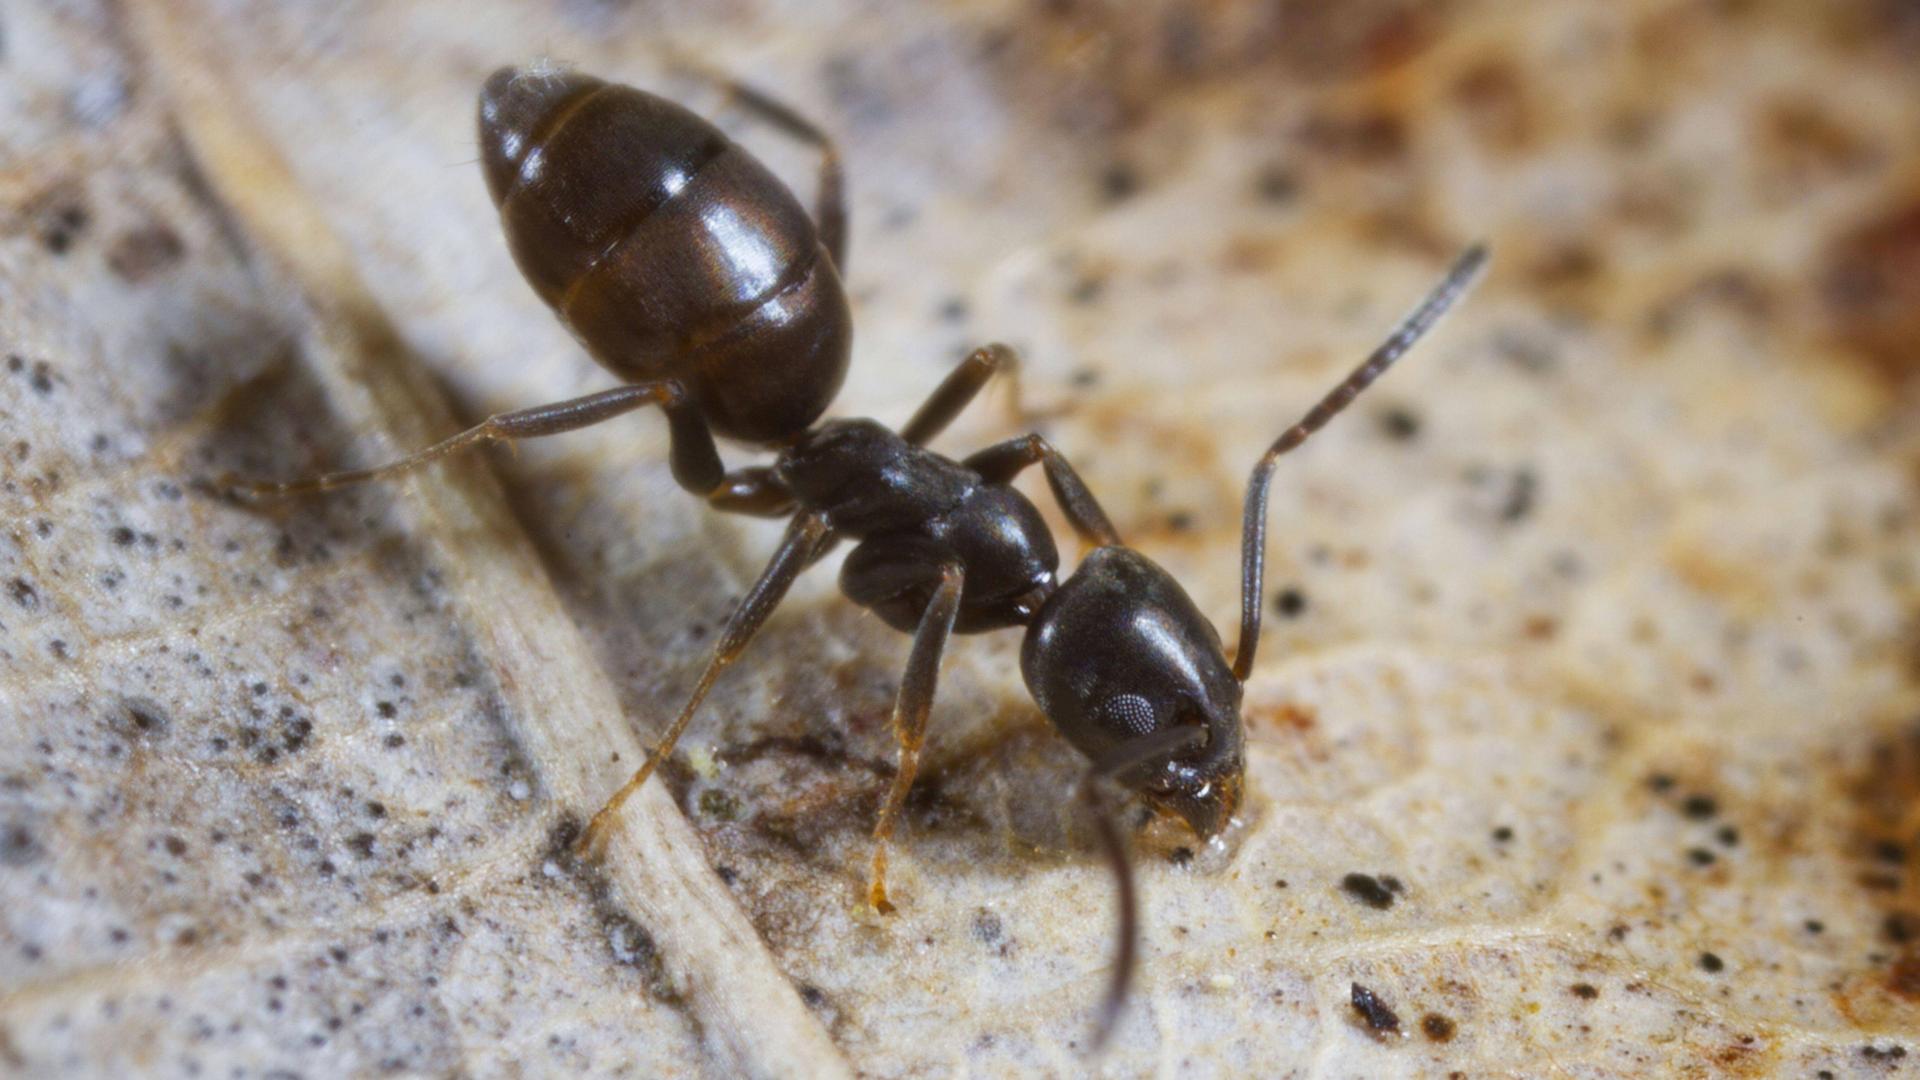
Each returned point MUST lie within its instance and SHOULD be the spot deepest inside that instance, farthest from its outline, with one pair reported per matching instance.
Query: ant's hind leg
(960, 387)
(910, 709)
(830, 196)
(803, 536)
(695, 459)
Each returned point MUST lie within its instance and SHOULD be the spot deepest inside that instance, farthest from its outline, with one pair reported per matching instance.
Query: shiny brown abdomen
(670, 251)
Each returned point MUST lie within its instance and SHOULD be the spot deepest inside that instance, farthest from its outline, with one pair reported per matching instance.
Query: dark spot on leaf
(1276, 184)
(141, 253)
(1119, 181)
(988, 929)
(1368, 890)
(1400, 424)
(18, 846)
(24, 593)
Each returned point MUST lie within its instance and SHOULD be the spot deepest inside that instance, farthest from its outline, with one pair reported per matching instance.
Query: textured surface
(1584, 740)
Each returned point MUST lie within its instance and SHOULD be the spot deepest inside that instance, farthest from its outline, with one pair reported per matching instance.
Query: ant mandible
(690, 271)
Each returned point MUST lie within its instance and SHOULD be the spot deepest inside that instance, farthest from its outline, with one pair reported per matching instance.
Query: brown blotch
(1803, 145)
(1369, 136)
(1903, 979)
(1352, 39)
(1870, 285)
(1729, 292)
(1247, 253)
(1494, 100)
(1570, 265)
(1887, 801)
(1295, 717)
(139, 254)
(1437, 1027)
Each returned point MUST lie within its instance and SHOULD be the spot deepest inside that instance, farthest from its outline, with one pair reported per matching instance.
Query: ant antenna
(1159, 746)
(1253, 545)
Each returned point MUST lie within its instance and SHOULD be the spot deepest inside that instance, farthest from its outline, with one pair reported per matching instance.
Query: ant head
(1131, 673)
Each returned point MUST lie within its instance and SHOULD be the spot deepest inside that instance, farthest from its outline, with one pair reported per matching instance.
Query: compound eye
(1129, 716)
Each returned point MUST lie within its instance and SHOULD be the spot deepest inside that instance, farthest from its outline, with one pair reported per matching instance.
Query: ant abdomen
(669, 251)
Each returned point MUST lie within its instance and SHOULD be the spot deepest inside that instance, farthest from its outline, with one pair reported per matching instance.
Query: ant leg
(830, 198)
(959, 388)
(802, 536)
(1253, 527)
(755, 491)
(695, 459)
(910, 709)
(1000, 463)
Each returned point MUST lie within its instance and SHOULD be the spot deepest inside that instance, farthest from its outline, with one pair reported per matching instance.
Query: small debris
(1380, 1019)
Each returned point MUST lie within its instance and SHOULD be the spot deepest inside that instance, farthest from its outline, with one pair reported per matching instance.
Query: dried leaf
(1584, 734)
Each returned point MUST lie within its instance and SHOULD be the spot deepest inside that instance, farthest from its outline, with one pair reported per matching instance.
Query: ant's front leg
(910, 710)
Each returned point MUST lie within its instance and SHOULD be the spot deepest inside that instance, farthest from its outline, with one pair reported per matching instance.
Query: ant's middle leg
(960, 387)
(695, 459)
(1000, 463)
(910, 710)
(804, 535)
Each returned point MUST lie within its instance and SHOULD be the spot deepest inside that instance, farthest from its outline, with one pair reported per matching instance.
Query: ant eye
(1130, 715)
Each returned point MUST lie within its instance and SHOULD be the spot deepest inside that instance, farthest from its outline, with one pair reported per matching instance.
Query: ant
(691, 272)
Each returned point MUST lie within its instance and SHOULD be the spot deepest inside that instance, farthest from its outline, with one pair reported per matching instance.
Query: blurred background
(1592, 638)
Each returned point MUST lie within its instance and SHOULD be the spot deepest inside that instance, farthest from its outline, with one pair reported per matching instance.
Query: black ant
(691, 271)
